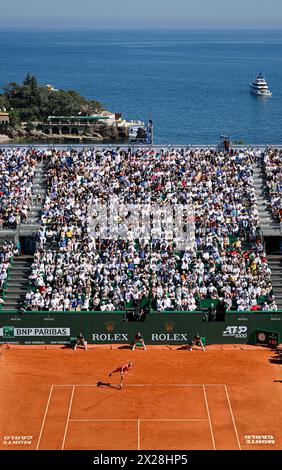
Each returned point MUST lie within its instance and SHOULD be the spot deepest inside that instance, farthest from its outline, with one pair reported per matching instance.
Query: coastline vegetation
(30, 102)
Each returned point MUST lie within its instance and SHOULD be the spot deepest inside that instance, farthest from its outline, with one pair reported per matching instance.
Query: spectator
(75, 269)
(212, 312)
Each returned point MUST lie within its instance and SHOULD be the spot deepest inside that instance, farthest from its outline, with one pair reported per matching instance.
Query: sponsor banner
(110, 337)
(10, 332)
(238, 332)
(155, 337)
(156, 328)
(169, 336)
(173, 337)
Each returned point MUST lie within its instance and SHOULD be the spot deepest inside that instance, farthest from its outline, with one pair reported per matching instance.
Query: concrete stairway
(268, 225)
(275, 264)
(32, 223)
(21, 269)
(18, 282)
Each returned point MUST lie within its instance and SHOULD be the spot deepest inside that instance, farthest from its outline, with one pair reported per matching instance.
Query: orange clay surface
(227, 398)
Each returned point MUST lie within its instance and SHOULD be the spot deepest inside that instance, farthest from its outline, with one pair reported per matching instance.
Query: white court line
(44, 418)
(138, 419)
(104, 420)
(138, 434)
(207, 406)
(232, 416)
(145, 385)
(173, 385)
(68, 417)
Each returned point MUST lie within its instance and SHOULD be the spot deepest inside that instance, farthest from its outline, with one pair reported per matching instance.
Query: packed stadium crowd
(17, 170)
(272, 167)
(75, 269)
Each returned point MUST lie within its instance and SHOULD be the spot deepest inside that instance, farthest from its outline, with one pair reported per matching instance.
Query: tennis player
(197, 342)
(123, 371)
(80, 341)
(138, 339)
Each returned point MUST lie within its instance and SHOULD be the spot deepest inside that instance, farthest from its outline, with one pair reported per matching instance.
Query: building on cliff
(77, 125)
(4, 119)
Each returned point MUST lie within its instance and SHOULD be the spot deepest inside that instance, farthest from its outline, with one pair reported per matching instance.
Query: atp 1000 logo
(239, 332)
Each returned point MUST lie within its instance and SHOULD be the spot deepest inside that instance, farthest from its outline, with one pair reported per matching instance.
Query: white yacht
(259, 87)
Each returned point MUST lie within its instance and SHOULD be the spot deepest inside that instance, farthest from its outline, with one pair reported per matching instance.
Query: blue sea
(194, 85)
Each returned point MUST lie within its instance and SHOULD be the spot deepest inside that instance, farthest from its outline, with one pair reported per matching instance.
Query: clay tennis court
(172, 399)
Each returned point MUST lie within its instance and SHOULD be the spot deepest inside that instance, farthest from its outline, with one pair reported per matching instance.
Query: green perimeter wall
(158, 328)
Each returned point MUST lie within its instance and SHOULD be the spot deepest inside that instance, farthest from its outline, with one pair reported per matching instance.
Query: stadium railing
(154, 312)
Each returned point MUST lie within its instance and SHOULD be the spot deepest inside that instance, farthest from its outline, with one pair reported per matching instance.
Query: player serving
(123, 371)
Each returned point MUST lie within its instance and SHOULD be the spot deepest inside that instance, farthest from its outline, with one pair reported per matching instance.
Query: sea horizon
(193, 83)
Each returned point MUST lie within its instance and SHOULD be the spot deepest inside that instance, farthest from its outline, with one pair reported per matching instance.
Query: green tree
(31, 81)
(96, 106)
(14, 117)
